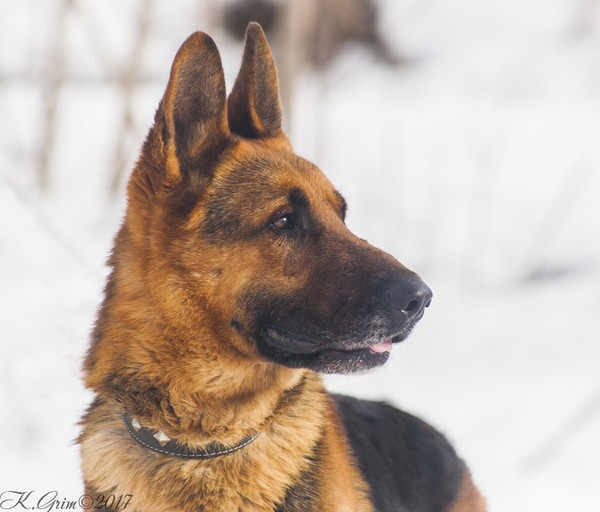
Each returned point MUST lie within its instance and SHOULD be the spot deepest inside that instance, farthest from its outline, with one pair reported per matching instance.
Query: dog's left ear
(253, 106)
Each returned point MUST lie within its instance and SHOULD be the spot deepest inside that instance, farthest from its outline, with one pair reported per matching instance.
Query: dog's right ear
(191, 126)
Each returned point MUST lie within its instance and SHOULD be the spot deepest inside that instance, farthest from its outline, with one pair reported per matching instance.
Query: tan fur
(469, 499)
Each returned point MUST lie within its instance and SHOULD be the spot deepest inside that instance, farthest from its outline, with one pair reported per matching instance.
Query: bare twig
(52, 86)
(129, 83)
(52, 231)
(296, 28)
(555, 219)
(95, 36)
(482, 201)
(546, 451)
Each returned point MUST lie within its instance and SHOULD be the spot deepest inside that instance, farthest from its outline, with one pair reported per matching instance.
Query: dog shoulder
(407, 464)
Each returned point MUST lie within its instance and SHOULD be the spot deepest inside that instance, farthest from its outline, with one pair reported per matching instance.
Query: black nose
(407, 293)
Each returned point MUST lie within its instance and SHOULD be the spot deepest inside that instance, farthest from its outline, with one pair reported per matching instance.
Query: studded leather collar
(158, 441)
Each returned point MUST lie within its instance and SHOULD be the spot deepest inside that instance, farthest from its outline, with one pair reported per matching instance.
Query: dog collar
(158, 441)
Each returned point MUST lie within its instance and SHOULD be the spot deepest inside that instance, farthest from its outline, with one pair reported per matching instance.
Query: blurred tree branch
(129, 82)
(52, 86)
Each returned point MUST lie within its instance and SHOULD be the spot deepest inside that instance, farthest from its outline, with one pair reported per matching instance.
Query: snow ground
(477, 165)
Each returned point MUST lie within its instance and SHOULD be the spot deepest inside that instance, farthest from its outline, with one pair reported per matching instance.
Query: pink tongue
(384, 346)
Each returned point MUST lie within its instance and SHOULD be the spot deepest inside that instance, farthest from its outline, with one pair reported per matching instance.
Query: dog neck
(204, 407)
(230, 412)
(283, 452)
(159, 442)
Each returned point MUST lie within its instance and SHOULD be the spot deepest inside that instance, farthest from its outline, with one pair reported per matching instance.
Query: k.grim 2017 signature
(51, 500)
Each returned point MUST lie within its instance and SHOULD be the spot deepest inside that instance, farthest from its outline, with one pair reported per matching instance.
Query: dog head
(239, 243)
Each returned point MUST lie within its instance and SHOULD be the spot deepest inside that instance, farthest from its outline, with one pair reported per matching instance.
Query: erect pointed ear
(253, 104)
(193, 111)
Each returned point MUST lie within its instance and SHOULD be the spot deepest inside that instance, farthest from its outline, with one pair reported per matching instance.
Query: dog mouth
(299, 345)
(345, 357)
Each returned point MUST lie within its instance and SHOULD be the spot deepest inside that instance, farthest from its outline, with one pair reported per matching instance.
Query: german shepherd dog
(234, 284)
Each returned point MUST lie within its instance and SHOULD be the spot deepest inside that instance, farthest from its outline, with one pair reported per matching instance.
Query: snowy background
(476, 163)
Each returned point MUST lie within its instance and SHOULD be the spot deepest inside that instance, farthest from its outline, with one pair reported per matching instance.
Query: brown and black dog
(234, 283)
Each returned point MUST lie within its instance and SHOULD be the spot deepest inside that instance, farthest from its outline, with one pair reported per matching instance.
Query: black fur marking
(408, 465)
(139, 396)
(298, 199)
(236, 325)
(303, 494)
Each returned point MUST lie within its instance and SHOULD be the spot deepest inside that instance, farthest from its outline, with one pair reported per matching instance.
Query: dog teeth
(135, 424)
(162, 438)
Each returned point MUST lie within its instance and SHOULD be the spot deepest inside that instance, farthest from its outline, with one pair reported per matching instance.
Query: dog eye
(282, 223)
